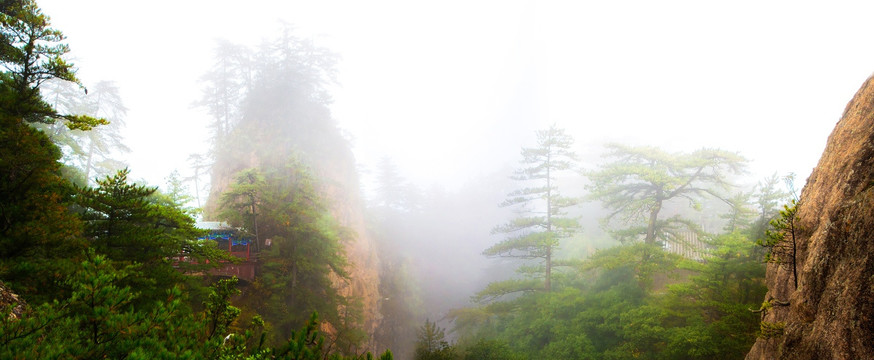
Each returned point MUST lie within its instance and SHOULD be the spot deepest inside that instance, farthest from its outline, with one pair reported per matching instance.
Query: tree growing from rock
(768, 198)
(305, 254)
(781, 242)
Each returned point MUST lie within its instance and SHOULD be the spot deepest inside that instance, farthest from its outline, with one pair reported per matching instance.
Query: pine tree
(130, 223)
(432, 344)
(32, 53)
(306, 244)
(640, 181)
(535, 235)
(38, 233)
(740, 216)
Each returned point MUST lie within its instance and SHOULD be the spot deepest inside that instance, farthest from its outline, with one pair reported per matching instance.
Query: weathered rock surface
(831, 314)
(7, 298)
(338, 182)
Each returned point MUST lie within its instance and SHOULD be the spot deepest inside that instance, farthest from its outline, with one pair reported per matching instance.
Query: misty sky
(452, 89)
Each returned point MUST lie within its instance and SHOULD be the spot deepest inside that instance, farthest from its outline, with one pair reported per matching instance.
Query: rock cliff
(334, 167)
(831, 313)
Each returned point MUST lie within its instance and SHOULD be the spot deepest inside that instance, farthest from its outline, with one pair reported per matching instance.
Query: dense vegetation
(94, 256)
(669, 290)
(96, 266)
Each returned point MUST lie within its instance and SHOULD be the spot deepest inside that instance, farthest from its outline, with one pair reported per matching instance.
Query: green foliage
(498, 289)
(638, 182)
(740, 215)
(39, 236)
(631, 307)
(240, 203)
(176, 194)
(535, 234)
(218, 307)
(103, 314)
(768, 198)
(781, 242)
(33, 53)
(432, 344)
(132, 223)
(103, 285)
(93, 151)
(282, 204)
(769, 330)
(97, 321)
(643, 259)
(492, 350)
(100, 321)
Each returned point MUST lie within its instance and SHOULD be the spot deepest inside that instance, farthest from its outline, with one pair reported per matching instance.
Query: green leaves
(83, 122)
(432, 344)
(536, 232)
(307, 252)
(630, 307)
(781, 242)
(131, 223)
(638, 181)
(33, 53)
(101, 321)
(498, 289)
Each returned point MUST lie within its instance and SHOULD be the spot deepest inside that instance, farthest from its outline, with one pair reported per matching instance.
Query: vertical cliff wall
(341, 188)
(831, 313)
(334, 169)
(272, 108)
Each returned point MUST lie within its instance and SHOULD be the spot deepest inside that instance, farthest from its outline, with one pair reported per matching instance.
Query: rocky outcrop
(341, 189)
(338, 182)
(7, 298)
(831, 313)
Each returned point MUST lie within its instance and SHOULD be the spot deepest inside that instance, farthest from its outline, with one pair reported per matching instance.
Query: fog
(449, 92)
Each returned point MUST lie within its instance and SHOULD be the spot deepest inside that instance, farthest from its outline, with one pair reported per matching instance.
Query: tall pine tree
(305, 253)
(132, 223)
(38, 233)
(536, 233)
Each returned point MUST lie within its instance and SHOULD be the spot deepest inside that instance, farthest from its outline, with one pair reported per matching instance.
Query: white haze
(452, 89)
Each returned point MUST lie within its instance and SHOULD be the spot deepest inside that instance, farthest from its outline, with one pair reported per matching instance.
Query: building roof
(213, 225)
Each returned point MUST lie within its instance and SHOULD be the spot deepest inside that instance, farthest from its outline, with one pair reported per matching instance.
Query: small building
(227, 238)
(231, 240)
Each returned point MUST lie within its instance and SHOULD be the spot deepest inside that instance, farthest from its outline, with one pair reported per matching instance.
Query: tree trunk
(549, 269)
(549, 220)
(651, 227)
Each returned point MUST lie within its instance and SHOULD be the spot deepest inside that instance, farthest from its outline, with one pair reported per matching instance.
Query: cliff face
(334, 167)
(341, 189)
(831, 314)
